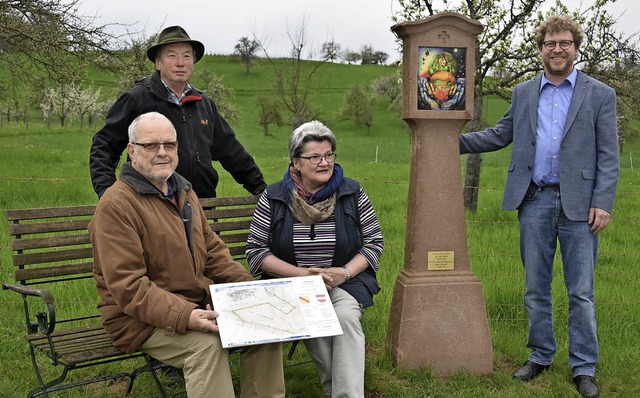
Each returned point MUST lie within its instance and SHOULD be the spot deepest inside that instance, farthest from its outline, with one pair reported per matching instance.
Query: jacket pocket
(588, 174)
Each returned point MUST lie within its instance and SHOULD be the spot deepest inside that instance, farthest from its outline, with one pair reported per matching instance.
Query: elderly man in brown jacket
(154, 259)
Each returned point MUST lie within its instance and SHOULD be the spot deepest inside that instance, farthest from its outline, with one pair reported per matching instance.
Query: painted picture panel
(441, 78)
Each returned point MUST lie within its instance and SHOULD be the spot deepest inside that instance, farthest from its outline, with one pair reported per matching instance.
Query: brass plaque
(440, 261)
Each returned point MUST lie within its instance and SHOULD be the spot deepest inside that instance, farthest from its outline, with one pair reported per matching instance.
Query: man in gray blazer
(562, 179)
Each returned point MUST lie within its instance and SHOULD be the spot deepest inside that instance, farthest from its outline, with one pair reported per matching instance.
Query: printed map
(272, 310)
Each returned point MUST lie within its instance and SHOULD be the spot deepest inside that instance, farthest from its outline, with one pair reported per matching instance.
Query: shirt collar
(172, 96)
(573, 76)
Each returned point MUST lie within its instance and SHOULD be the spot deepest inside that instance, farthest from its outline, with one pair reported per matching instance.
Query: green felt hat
(175, 34)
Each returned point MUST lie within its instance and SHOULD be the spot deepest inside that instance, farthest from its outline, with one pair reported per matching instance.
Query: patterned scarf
(311, 208)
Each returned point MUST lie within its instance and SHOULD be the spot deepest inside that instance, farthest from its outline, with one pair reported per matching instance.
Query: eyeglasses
(564, 44)
(330, 158)
(168, 146)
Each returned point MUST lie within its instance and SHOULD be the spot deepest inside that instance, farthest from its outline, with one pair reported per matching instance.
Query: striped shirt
(313, 245)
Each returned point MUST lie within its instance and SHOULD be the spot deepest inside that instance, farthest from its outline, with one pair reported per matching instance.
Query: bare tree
(367, 55)
(351, 57)
(247, 49)
(370, 56)
(293, 78)
(380, 57)
(269, 113)
(358, 105)
(331, 50)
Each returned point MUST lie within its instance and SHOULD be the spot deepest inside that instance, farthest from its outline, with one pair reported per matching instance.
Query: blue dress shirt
(553, 106)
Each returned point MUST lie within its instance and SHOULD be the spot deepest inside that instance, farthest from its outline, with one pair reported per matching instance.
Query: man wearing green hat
(203, 134)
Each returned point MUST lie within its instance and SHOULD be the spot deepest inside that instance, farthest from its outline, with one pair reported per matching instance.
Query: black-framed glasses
(564, 44)
(168, 146)
(330, 158)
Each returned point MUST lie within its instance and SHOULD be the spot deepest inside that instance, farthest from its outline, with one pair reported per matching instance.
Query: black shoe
(587, 386)
(171, 374)
(530, 371)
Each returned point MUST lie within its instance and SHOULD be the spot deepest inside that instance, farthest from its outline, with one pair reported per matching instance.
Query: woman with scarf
(316, 221)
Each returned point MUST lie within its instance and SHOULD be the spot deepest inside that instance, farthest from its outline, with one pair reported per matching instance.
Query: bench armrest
(46, 322)
(46, 295)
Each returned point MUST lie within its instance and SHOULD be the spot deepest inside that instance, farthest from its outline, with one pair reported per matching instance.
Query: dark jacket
(154, 260)
(203, 136)
(348, 236)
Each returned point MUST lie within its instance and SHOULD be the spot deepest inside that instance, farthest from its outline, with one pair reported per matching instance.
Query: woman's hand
(326, 277)
(332, 276)
(336, 276)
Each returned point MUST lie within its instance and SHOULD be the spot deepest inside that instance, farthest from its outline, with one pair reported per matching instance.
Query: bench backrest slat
(60, 272)
(50, 212)
(235, 238)
(222, 227)
(50, 241)
(229, 201)
(237, 251)
(52, 256)
(213, 214)
(42, 227)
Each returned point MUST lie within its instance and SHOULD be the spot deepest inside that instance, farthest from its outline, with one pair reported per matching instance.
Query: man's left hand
(599, 219)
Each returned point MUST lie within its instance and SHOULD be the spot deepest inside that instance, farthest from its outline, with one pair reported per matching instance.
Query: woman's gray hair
(310, 131)
(133, 127)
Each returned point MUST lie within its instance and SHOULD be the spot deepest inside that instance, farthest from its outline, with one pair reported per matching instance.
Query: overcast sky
(219, 24)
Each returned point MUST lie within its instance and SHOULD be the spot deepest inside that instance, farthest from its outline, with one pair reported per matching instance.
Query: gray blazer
(589, 160)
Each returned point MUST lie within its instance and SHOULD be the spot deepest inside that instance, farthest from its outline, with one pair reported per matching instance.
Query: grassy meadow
(42, 167)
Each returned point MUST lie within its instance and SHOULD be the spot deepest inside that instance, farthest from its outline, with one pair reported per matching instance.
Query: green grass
(41, 167)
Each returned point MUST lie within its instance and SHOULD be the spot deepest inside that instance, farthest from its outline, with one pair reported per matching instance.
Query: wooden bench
(53, 263)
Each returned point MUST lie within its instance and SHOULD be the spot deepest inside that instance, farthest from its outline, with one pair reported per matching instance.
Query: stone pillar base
(440, 322)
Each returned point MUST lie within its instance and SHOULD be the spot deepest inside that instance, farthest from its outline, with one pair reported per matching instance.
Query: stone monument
(438, 318)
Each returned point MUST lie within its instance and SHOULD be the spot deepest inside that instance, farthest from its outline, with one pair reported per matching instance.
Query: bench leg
(292, 350)
(43, 386)
(146, 368)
